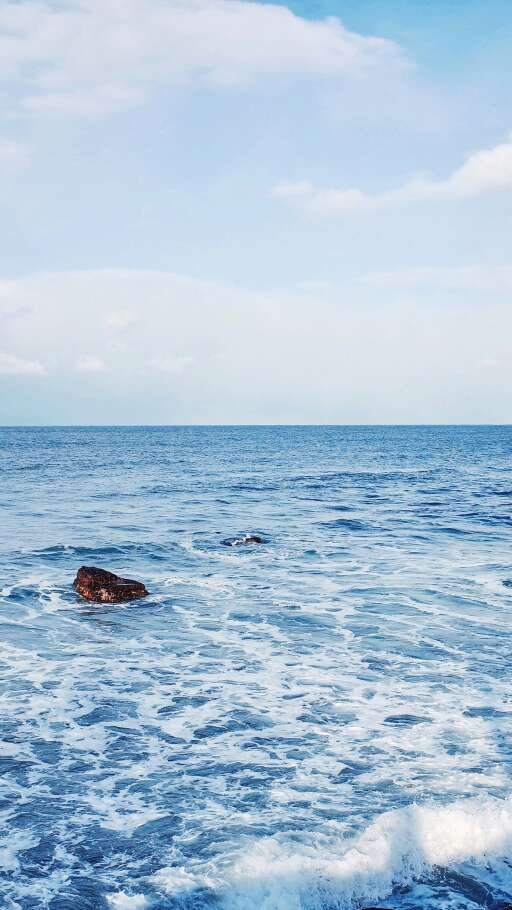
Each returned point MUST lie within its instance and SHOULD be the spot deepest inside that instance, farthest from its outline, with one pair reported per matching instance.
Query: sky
(220, 211)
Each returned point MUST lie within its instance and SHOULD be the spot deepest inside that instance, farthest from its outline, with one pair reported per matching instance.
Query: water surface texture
(319, 722)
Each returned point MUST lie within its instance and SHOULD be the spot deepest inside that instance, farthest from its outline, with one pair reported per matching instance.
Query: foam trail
(399, 847)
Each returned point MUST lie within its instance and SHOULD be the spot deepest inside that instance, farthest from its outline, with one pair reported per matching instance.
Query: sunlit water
(321, 721)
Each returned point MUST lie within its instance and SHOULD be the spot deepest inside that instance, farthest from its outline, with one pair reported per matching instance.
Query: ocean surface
(319, 722)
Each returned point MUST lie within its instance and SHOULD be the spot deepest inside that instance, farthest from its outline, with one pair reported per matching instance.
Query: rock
(105, 587)
(246, 540)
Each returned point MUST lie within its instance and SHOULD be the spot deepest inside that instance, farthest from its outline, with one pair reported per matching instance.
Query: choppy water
(322, 721)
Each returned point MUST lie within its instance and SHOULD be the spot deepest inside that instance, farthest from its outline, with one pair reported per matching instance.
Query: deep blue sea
(319, 722)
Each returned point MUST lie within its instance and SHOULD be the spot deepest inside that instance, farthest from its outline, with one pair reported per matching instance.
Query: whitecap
(122, 901)
(399, 847)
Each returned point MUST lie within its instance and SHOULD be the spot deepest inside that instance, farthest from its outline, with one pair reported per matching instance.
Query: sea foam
(399, 848)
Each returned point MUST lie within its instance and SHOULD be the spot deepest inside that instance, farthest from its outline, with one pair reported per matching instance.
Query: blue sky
(443, 34)
(220, 211)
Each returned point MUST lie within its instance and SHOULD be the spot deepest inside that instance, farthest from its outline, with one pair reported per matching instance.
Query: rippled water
(320, 721)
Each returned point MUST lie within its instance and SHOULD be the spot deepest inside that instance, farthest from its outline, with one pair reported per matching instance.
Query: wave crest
(399, 848)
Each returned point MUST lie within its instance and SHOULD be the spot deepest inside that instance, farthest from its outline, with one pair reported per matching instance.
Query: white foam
(16, 843)
(122, 901)
(397, 848)
(174, 880)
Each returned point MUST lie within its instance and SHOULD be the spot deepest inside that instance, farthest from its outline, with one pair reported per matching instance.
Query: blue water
(321, 721)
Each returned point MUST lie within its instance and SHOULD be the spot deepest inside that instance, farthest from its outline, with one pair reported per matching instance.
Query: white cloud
(172, 365)
(103, 100)
(90, 364)
(121, 319)
(483, 172)
(486, 279)
(12, 365)
(91, 57)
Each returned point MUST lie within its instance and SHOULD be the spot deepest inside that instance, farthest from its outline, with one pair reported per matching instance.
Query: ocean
(321, 721)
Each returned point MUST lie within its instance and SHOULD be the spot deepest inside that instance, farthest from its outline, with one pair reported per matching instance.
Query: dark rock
(244, 541)
(105, 587)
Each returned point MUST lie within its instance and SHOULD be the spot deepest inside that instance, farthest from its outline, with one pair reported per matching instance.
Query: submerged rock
(246, 540)
(101, 586)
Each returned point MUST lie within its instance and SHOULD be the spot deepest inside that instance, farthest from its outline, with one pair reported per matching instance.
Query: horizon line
(148, 426)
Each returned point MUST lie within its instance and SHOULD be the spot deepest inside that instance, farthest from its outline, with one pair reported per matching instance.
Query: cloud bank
(482, 279)
(197, 351)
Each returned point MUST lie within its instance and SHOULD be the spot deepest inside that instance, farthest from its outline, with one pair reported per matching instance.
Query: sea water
(319, 721)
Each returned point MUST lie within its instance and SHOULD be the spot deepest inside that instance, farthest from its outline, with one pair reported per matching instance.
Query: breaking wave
(400, 848)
